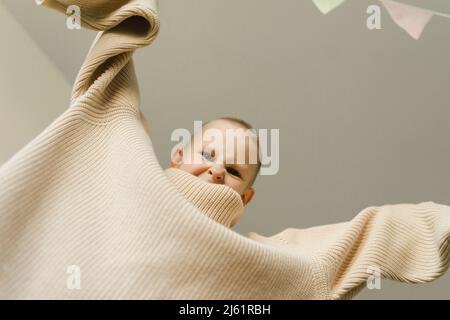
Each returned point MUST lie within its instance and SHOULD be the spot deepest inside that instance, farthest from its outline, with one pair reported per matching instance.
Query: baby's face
(213, 157)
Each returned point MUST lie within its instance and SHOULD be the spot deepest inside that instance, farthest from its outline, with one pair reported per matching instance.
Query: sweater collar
(219, 202)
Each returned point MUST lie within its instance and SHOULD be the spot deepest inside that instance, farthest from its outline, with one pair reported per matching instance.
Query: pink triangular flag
(412, 19)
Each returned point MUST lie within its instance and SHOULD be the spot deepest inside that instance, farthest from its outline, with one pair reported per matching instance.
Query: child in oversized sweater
(88, 194)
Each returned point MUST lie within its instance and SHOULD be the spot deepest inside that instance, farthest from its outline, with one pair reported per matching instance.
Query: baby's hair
(248, 126)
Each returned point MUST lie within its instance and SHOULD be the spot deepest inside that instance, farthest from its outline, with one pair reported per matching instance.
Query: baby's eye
(234, 172)
(207, 156)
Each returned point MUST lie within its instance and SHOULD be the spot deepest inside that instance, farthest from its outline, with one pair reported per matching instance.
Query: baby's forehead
(226, 132)
(222, 124)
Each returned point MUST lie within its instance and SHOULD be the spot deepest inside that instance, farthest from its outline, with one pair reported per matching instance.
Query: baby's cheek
(236, 185)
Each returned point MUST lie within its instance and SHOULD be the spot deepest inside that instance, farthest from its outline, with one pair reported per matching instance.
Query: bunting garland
(410, 18)
(326, 6)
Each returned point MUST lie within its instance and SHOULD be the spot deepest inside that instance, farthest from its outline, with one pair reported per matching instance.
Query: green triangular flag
(326, 6)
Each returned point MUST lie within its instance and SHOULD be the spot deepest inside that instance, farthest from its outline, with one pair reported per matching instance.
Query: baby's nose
(217, 173)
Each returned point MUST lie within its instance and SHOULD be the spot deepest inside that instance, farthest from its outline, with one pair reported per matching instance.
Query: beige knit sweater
(89, 192)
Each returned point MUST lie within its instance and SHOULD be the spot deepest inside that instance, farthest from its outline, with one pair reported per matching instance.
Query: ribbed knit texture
(216, 201)
(88, 191)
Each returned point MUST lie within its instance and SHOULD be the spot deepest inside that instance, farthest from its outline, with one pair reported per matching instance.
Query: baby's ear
(176, 158)
(248, 195)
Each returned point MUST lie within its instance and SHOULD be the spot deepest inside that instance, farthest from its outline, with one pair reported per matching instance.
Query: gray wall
(363, 115)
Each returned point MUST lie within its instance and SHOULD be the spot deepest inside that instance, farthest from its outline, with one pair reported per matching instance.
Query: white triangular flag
(412, 19)
(326, 6)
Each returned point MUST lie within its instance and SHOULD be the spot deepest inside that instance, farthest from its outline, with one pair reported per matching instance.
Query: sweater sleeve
(107, 78)
(402, 242)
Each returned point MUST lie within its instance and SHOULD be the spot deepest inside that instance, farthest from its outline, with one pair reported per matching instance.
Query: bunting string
(410, 18)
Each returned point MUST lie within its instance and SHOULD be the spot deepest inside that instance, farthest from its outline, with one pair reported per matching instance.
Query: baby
(213, 155)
